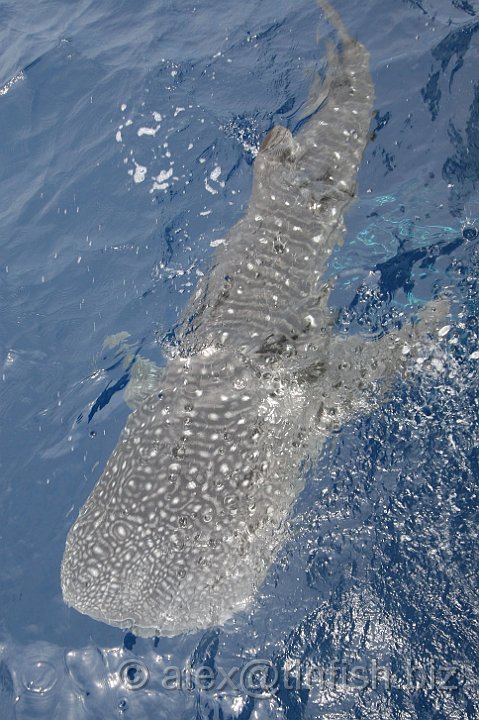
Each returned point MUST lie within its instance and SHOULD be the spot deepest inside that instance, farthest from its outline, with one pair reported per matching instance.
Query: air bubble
(469, 232)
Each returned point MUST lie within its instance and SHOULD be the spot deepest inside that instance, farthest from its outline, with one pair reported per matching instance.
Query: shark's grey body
(189, 512)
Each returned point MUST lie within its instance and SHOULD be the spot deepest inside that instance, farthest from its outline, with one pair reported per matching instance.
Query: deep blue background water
(381, 565)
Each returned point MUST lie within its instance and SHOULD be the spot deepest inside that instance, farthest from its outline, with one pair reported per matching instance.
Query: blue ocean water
(129, 132)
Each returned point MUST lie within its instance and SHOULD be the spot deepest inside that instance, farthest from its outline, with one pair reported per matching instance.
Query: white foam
(139, 174)
(13, 81)
(215, 173)
(160, 180)
(209, 188)
(148, 131)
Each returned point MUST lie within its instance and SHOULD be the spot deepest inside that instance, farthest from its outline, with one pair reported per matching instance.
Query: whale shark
(191, 509)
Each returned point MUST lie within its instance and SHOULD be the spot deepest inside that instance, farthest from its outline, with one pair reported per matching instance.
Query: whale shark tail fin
(339, 107)
(334, 19)
(319, 90)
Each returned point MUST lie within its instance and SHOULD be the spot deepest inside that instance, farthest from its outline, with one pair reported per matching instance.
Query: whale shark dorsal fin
(278, 145)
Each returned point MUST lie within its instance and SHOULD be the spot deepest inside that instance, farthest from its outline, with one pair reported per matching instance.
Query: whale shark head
(178, 533)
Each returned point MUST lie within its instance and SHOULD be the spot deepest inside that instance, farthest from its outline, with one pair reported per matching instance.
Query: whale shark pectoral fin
(433, 314)
(410, 342)
(360, 370)
(359, 374)
(146, 379)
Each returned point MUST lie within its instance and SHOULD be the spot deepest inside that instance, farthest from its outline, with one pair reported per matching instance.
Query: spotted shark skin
(182, 526)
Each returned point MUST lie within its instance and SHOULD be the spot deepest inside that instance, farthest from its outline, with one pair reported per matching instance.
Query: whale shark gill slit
(184, 522)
